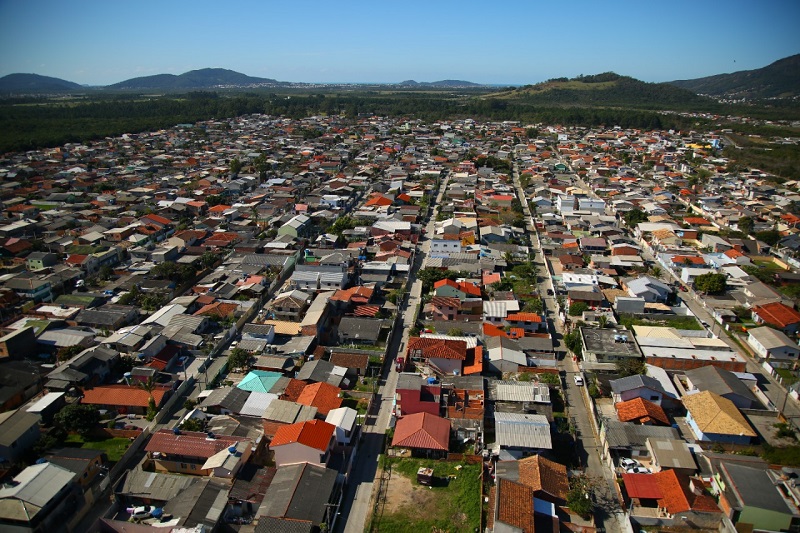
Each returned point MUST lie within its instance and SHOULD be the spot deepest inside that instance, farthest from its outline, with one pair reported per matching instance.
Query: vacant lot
(452, 504)
(114, 447)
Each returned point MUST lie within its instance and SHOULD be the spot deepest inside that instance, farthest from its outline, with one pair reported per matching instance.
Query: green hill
(781, 79)
(607, 89)
(206, 78)
(34, 83)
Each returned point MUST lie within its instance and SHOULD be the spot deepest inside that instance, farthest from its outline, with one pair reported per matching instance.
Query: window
(183, 465)
(654, 398)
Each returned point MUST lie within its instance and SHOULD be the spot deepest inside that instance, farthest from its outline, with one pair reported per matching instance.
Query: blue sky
(510, 42)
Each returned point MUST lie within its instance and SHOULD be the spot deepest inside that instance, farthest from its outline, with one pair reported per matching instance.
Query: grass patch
(453, 506)
(115, 447)
(786, 375)
(677, 322)
(784, 456)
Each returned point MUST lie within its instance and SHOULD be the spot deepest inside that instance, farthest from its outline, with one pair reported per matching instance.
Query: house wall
(292, 453)
(21, 445)
(764, 519)
(178, 467)
(690, 364)
(642, 392)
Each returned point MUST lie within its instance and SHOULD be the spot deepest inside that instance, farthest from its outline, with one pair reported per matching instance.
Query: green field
(115, 448)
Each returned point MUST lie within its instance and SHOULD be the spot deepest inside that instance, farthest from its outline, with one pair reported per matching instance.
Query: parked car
(628, 463)
(705, 324)
(142, 512)
(638, 470)
(578, 380)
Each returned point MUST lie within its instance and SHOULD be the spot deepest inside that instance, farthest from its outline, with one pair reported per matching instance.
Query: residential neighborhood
(266, 324)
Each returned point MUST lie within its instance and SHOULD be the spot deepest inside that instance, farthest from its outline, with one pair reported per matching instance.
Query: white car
(628, 463)
(578, 380)
(142, 512)
(638, 470)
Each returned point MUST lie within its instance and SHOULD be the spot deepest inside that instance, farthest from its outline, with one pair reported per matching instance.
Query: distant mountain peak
(204, 78)
(780, 79)
(35, 83)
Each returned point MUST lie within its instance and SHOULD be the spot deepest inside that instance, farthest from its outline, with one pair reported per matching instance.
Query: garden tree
(549, 379)
(572, 341)
(209, 259)
(235, 166)
(602, 320)
(741, 312)
(238, 358)
(534, 305)
(634, 216)
(532, 133)
(579, 497)
(711, 283)
(105, 272)
(148, 386)
(745, 225)
(395, 295)
(192, 424)
(630, 367)
(577, 308)
(770, 236)
(68, 352)
(77, 417)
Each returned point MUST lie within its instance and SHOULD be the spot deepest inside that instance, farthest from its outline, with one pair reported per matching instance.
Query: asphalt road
(358, 500)
(608, 513)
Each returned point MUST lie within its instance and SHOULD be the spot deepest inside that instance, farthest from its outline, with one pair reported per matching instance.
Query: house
(290, 305)
(124, 398)
(424, 434)
(283, 412)
(18, 344)
(456, 289)
(621, 439)
(190, 452)
(669, 499)
(445, 356)
(321, 370)
(297, 226)
(299, 499)
(522, 397)
(41, 260)
(323, 396)
(19, 431)
(546, 478)
(723, 383)
(505, 355)
(774, 346)
(529, 322)
(359, 330)
(520, 434)
(641, 411)
(779, 315)
(84, 463)
(41, 498)
(670, 454)
(753, 496)
(18, 384)
(650, 289)
(608, 345)
(310, 441)
(714, 418)
(639, 386)
(414, 394)
(345, 422)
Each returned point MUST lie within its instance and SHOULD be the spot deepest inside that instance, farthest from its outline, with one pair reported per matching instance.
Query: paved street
(608, 513)
(356, 506)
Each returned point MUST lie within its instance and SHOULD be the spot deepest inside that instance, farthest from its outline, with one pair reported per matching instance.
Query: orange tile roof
(543, 474)
(777, 313)
(524, 317)
(642, 486)
(474, 362)
(218, 309)
(676, 496)
(219, 208)
(697, 221)
(312, 433)
(642, 411)
(323, 396)
(422, 430)
(733, 253)
(438, 348)
(293, 390)
(692, 259)
(514, 505)
(121, 396)
(489, 278)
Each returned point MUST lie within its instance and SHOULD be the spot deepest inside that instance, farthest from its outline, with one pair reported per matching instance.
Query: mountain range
(781, 79)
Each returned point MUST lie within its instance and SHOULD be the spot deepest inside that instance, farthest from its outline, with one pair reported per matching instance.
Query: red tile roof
(312, 433)
(777, 314)
(437, 348)
(524, 317)
(121, 396)
(514, 505)
(190, 443)
(293, 390)
(422, 430)
(323, 396)
(642, 486)
(641, 410)
(691, 259)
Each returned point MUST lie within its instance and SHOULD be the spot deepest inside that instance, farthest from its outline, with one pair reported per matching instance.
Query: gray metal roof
(719, 381)
(289, 412)
(671, 453)
(634, 382)
(16, 425)
(755, 488)
(519, 391)
(515, 430)
(300, 492)
(154, 485)
(625, 435)
(38, 484)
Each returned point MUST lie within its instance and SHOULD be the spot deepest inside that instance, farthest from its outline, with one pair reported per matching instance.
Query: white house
(303, 442)
(779, 350)
(344, 420)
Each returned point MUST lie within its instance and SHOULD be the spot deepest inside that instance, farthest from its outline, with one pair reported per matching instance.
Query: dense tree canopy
(711, 283)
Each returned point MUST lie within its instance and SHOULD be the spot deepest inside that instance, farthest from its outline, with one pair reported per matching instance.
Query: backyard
(453, 503)
(114, 447)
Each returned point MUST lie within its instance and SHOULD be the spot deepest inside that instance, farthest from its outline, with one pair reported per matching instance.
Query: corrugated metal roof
(257, 403)
(518, 391)
(154, 485)
(516, 430)
(38, 484)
